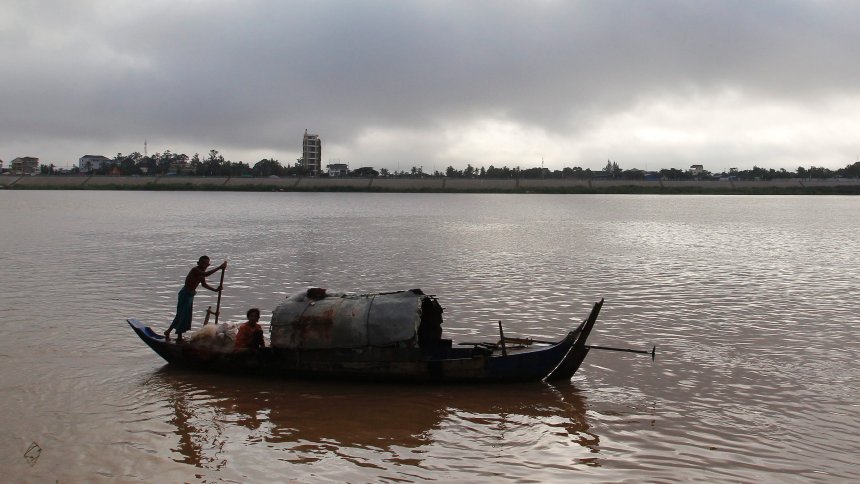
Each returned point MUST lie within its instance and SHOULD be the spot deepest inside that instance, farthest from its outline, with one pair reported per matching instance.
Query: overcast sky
(394, 84)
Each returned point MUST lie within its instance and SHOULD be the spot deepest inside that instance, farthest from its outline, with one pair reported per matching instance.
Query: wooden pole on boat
(653, 351)
(502, 335)
(209, 313)
(220, 288)
(528, 341)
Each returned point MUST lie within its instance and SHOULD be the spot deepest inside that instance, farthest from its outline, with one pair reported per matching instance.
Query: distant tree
(568, 172)
(212, 165)
(127, 164)
(268, 167)
(179, 163)
(850, 171)
(364, 171)
(706, 175)
(759, 173)
(195, 165)
(816, 172)
(163, 161)
(503, 172)
(633, 174)
(782, 173)
(576, 172)
(147, 164)
(531, 173)
(612, 169)
(675, 174)
(295, 170)
(238, 168)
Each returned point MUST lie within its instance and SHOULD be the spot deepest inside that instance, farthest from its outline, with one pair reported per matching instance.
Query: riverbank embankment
(842, 186)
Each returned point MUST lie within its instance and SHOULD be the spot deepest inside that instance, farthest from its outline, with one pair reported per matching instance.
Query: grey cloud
(253, 75)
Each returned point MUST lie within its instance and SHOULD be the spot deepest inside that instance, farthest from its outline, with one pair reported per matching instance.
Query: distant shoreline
(839, 186)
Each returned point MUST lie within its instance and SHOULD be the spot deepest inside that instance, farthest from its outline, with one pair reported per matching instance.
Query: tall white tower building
(312, 154)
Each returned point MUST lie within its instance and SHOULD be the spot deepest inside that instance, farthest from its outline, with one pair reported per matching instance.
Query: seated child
(250, 335)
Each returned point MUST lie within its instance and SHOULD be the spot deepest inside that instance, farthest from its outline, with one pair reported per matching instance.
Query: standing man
(185, 304)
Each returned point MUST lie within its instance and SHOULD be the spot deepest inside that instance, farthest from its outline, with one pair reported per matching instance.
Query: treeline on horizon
(214, 165)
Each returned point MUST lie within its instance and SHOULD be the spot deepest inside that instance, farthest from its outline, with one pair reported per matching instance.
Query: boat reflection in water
(223, 420)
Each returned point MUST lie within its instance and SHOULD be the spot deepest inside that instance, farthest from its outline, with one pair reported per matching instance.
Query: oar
(653, 351)
(220, 288)
(528, 341)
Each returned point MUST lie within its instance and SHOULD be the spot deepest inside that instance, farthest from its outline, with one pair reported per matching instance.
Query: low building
(88, 163)
(24, 165)
(697, 170)
(337, 169)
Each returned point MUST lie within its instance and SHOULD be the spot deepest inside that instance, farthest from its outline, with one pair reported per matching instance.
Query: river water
(752, 303)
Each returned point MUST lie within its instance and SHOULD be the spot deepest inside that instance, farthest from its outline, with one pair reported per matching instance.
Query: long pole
(653, 351)
(220, 288)
(528, 341)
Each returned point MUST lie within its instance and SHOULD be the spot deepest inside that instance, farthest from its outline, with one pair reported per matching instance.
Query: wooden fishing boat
(383, 336)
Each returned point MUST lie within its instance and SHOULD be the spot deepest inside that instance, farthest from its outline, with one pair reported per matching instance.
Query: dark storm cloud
(249, 77)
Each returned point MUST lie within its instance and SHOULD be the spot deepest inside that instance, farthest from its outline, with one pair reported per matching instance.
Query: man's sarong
(184, 306)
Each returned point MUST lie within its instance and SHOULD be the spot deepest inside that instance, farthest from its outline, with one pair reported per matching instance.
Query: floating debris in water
(32, 454)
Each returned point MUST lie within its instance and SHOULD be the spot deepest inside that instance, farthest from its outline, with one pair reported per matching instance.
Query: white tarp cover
(347, 320)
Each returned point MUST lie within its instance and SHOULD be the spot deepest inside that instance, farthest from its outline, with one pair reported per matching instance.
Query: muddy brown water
(751, 301)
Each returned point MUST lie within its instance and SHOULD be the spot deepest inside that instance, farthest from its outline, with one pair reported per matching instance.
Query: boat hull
(441, 363)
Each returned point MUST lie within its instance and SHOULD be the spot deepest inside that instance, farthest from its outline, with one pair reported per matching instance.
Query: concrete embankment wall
(549, 185)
